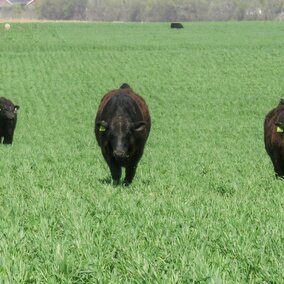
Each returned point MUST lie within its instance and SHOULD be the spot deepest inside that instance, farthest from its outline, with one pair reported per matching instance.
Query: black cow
(8, 120)
(122, 127)
(176, 26)
(274, 138)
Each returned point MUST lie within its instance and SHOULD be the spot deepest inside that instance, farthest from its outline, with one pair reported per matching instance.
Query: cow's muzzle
(118, 154)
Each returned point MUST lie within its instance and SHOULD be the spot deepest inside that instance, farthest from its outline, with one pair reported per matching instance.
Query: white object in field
(7, 27)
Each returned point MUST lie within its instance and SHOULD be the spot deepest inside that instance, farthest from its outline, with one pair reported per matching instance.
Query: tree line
(149, 10)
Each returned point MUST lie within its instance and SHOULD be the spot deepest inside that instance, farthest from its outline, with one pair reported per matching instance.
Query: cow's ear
(102, 125)
(16, 108)
(280, 126)
(139, 126)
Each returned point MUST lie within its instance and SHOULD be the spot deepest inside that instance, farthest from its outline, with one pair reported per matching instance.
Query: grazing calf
(8, 120)
(274, 137)
(122, 127)
(176, 26)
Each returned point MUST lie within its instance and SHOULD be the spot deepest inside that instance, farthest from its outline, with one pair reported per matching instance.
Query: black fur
(122, 127)
(8, 120)
(176, 26)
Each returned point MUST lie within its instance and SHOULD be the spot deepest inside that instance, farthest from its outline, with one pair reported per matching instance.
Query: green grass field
(204, 206)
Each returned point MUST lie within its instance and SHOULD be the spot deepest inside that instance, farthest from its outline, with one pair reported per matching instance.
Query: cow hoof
(126, 183)
(115, 182)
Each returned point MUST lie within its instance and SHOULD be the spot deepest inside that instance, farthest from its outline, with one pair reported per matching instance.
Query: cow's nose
(119, 154)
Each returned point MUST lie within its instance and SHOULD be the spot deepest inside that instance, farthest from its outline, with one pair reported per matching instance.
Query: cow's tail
(125, 86)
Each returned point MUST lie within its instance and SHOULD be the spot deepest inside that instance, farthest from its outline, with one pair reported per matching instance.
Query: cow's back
(112, 100)
(139, 103)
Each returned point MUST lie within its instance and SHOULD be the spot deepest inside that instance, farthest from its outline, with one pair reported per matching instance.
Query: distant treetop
(144, 10)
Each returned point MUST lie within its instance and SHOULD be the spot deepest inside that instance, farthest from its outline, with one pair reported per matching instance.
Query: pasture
(204, 206)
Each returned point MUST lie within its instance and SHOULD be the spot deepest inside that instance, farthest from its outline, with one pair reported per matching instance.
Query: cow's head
(8, 111)
(120, 135)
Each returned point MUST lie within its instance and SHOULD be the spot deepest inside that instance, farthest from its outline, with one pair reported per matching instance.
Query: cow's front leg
(278, 164)
(130, 171)
(8, 139)
(115, 171)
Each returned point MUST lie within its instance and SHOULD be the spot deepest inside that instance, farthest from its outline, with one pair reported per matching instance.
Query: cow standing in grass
(122, 127)
(8, 120)
(274, 137)
(176, 26)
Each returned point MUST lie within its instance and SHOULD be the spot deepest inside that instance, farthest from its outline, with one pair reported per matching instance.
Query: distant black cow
(122, 127)
(274, 137)
(8, 120)
(176, 26)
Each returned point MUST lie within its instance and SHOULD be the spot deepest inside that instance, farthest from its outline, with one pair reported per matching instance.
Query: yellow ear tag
(279, 129)
(102, 128)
